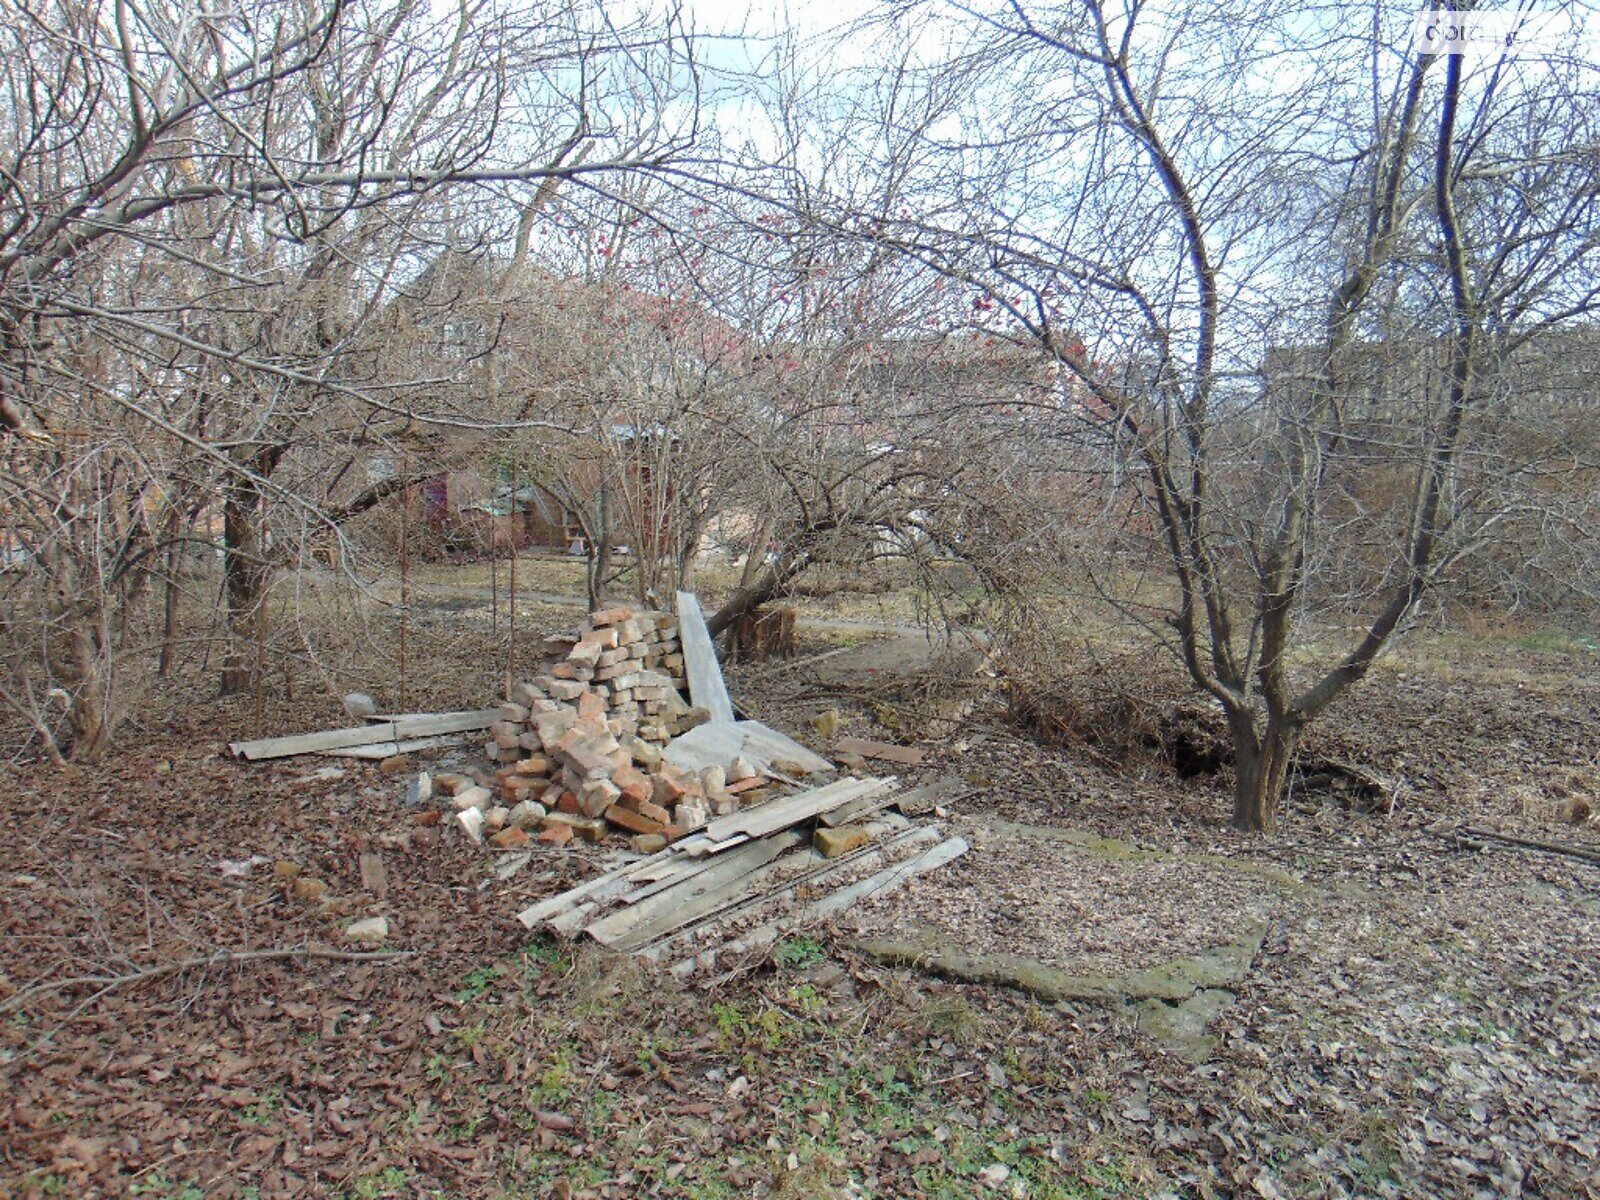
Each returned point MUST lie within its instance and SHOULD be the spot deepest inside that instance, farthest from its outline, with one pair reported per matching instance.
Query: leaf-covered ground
(1423, 1020)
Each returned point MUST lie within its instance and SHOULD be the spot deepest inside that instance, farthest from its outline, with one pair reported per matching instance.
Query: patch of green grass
(262, 1110)
(597, 1112)
(807, 999)
(953, 1017)
(475, 983)
(798, 953)
(1379, 1154)
(391, 1181)
(541, 958)
(768, 1030)
(708, 1189)
(545, 1166)
(1555, 641)
(557, 1082)
(159, 1187)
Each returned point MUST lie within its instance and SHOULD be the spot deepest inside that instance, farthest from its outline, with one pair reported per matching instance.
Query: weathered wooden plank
(366, 735)
(707, 688)
(908, 756)
(705, 746)
(857, 809)
(715, 902)
(623, 875)
(570, 923)
(381, 750)
(889, 878)
(826, 868)
(682, 868)
(676, 906)
(791, 810)
(925, 799)
(763, 743)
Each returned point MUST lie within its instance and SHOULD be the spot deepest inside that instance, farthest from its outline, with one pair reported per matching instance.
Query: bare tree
(201, 215)
(1283, 259)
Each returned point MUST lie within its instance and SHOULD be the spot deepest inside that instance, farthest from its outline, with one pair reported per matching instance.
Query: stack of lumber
(744, 878)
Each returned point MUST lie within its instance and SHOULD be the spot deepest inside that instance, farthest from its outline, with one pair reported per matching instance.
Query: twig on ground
(1466, 834)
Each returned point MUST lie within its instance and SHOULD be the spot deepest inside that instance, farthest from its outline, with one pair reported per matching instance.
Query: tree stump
(762, 633)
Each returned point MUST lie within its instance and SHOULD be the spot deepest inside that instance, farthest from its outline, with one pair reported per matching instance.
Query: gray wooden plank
(678, 905)
(791, 810)
(856, 809)
(705, 746)
(388, 749)
(825, 868)
(618, 876)
(366, 735)
(906, 756)
(707, 688)
(925, 799)
(889, 878)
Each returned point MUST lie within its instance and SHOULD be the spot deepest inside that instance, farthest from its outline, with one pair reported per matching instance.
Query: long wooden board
(404, 729)
(924, 799)
(618, 879)
(380, 750)
(718, 745)
(680, 904)
(889, 878)
(825, 868)
(707, 688)
(791, 810)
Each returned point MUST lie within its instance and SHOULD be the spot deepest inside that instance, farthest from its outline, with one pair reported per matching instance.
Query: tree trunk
(599, 555)
(751, 596)
(245, 574)
(1261, 771)
(91, 719)
(169, 599)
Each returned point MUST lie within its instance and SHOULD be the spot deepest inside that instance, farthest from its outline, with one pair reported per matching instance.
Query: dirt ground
(1423, 1018)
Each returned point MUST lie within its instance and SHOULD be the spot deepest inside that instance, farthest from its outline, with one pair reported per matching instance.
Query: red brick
(597, 797)
(626, 818)
(635, 784)
(654, 811)
(668, 789)
(556, 835)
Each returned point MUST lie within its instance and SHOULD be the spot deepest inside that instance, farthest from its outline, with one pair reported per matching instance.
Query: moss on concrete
(1114, 850)
(1175, 980)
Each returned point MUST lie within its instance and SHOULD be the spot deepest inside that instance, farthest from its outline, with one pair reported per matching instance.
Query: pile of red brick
(578, 748)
